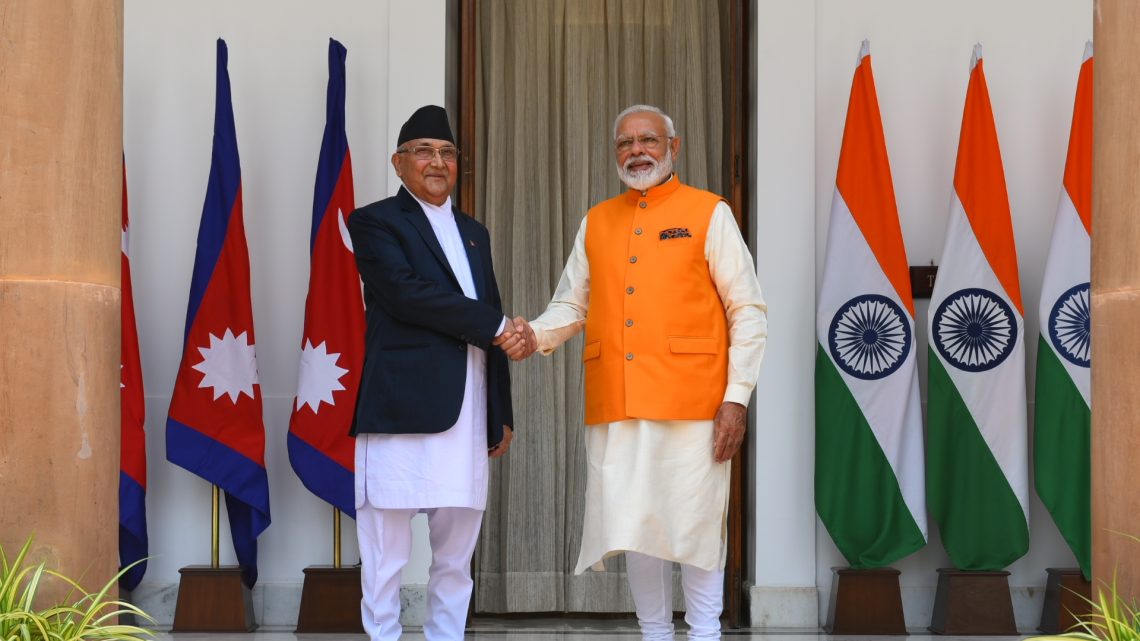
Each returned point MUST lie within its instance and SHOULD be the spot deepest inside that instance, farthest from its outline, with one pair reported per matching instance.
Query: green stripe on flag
(1061, 456)
(982, 524)
(856, 492)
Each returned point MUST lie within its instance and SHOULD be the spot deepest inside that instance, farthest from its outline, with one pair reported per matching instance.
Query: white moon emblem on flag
(229, 365)
(344, 236)
(318, 376)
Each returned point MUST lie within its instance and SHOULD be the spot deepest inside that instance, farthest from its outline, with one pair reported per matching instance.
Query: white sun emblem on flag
(319, 376)
(229, 365)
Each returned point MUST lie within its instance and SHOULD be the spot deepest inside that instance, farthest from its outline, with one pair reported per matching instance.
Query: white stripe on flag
(851, 267)
(995, 397)
(1067, 266)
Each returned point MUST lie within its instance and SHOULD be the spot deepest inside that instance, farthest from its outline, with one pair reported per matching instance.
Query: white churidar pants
(651, 581)
(385, 539)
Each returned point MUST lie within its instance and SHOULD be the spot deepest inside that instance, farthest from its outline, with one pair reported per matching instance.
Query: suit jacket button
(461, 346)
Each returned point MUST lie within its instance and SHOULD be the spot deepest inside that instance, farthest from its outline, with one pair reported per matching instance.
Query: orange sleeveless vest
(656, 335)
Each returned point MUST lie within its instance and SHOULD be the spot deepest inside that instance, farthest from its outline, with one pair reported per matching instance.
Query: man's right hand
(517, 340)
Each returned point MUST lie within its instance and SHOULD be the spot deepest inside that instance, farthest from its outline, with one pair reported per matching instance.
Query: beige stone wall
(60, 198)
(1116, 295)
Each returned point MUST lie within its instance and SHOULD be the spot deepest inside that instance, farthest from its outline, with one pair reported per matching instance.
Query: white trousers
(385, 540)
(651, 581)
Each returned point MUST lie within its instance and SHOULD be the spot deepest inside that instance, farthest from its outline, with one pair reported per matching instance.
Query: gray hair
(636, 109)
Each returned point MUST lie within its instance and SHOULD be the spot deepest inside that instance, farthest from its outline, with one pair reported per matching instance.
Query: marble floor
(559, 630)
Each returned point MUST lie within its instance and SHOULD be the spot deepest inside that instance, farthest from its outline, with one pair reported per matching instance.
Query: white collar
(429, 208)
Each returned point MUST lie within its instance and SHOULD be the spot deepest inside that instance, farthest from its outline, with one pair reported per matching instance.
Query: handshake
(517, 340)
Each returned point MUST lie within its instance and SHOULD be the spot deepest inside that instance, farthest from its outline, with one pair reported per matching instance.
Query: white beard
(644, 179)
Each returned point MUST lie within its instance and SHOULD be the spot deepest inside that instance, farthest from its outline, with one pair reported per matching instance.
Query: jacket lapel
(420, 222)
(474, 252)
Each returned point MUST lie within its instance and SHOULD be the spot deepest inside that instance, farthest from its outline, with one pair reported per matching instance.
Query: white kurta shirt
(653, 486)
(448, 469)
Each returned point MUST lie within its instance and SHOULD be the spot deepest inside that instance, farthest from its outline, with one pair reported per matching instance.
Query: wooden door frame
(736, 159)
(466, 101)
(736, 192)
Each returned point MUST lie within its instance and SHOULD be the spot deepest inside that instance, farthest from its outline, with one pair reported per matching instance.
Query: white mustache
(640, 158)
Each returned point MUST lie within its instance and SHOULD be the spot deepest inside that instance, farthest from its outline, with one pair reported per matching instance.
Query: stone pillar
(61, 82)
(1116, 296)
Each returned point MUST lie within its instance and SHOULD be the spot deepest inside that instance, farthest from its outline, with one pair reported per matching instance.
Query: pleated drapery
(551, 75)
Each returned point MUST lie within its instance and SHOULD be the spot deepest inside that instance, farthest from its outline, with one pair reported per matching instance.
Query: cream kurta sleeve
(732, 272)
(565, 316)
(730, 266)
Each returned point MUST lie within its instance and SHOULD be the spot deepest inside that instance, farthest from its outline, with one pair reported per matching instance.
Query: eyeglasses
(427, 152)
(648, 142)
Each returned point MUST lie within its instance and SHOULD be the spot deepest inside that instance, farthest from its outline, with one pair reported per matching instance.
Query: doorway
(539, 86)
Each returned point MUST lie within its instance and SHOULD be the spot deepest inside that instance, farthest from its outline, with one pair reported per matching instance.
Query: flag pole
(336, 538)
(214, 527)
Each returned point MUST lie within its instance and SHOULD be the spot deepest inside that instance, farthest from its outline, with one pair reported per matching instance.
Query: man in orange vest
(675, 331)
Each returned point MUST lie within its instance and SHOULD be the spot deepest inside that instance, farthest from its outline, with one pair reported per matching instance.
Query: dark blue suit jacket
(420, 323)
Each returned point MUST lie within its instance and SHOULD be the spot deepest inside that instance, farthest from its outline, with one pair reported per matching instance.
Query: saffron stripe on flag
(979, 182)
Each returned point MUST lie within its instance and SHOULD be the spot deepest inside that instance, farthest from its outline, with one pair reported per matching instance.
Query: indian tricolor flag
(977, 456)
(868, 473)
(1063, 416)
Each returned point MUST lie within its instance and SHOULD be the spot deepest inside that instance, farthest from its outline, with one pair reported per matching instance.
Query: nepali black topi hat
(429, 121)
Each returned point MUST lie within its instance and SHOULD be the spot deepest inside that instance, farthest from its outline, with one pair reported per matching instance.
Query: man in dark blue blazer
(435, 392)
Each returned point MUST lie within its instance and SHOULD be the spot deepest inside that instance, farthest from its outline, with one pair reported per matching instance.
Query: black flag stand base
(973, 603)
(330, 600)
(213, 600)
(1067, 595)
(865, 602)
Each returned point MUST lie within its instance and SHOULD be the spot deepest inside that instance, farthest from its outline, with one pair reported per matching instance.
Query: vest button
(643, 204)
(633, 259)
(629, 290)
(629, 322)
(461, 347)
(637, 231)
(629, 356)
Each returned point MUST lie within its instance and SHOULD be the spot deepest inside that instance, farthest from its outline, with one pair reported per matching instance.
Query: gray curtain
(551, 75)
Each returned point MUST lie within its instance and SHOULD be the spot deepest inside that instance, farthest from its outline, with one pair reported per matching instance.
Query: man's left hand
(504, 445)
(728, 430)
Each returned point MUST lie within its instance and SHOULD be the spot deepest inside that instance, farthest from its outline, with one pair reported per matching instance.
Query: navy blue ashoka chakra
(870, 337)
(1069, 325)
(974, 330)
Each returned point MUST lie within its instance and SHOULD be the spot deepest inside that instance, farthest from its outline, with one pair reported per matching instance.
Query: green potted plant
(92, 616)
(1113, 618)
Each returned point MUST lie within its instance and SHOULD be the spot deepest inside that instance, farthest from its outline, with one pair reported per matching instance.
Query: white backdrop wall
(920, 53)
(278, 53)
